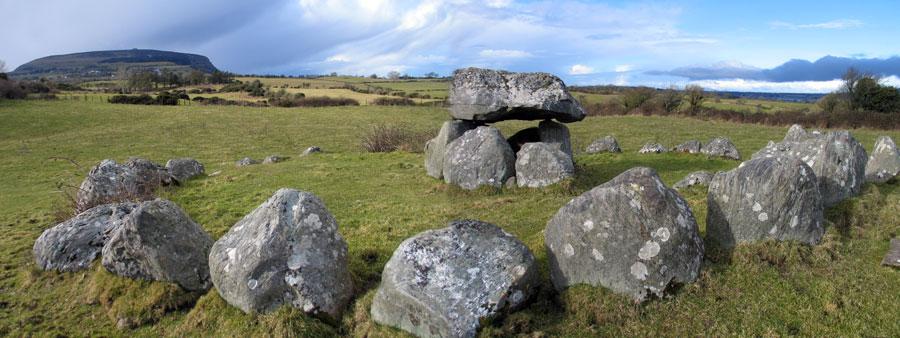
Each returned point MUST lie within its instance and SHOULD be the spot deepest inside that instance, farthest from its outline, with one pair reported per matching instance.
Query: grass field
(379, 199)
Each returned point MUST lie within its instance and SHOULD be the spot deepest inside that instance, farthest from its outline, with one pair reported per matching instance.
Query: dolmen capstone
(694, 178)
(690, 147)
(541, 164)
(721, 147)
(765, 198)
(443, 283)
(836, 158)
(482, 96)
(884, 163)
(607, 144)
(632, 235)
(285, 252)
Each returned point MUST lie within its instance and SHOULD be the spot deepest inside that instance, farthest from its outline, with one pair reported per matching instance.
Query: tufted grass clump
(212, 316)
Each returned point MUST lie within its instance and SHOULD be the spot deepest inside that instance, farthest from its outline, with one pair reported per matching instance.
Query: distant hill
(106, 65)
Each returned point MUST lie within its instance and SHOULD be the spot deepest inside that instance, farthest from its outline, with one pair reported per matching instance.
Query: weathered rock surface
(541, 164)
(312, 150)
(694, 178)
(884, 163)
(838, 160)
(107, 182)
(491, 96)
(690, 147)
(653, 148)
(892, 257)
(479, 157)
(765, 198)
(632, 235)
(436, 148)
(527, 135)
(149, 174)
(183, 169)
(721, 147)
(556, 134)
(606, 144)
(158, 241)
(286, 251)
(795, 133)
(74, 244)
(245, 162)
(441, 283)
(272, 159)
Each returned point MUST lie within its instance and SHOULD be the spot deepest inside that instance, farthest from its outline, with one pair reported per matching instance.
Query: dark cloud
(824, 69)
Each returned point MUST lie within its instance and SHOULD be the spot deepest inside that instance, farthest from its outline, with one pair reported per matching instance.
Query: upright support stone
(436, 147)
(557, 134)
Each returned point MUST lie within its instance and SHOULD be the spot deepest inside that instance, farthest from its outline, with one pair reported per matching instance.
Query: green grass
(835, 289)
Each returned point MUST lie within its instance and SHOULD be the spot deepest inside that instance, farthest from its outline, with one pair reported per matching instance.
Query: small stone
(312, 150)
(272, 159)
(653, 148)
(694, 178)
(183, 169)
(690, 147)
(607, 144)
(245, 162)
(721, 147)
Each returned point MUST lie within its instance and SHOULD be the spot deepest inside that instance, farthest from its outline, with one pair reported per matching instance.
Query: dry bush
(393, 101)
(385, 138)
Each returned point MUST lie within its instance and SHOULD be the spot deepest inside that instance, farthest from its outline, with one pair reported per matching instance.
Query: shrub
(393, 101)
(387, 138)
(635, 98)
(320, 101)
(11, 90)
(696, 95)
(161, 99)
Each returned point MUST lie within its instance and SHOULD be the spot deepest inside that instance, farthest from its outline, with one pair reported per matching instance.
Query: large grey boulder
(150, 175)
(541, 164)
(479, 157)
(884, 163)
(836, 158)
(107, 182)
(442, 283)
(286, 251)
(437, 147)
(74, 244)
(183, 169)
(765, 198)
(694, 178)
(690, 147)
(491, 95)
(556, 134)
(158, 241)
(607, 144)
(653, 148)
(632, 235)
(721, 147)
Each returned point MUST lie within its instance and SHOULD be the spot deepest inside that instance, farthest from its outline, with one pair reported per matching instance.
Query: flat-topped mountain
(105, 65)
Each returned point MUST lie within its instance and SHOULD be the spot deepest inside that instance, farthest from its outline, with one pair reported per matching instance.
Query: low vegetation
(384, 138)
(161, 99)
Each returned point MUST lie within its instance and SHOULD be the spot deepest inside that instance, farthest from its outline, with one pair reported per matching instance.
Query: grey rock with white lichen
(106, 182)
(690, 147)
(436, 148)
(795, 133)
(721, 147)
(158, 241)
(74, 244)
(285, 252)
(884, 163)
(442, 283)
(491, 95)
(149, 174)
(632, 235)
(183, 169)
(765, 198)
(556, 134)
(312, 150)
(480, 156)
(606, 144)
(837, 159)
(272, 159)
(541, 164)
(694, 178)
(653, 148)
(245, 162)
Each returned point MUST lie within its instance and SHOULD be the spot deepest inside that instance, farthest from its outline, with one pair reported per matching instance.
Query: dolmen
(470, 153)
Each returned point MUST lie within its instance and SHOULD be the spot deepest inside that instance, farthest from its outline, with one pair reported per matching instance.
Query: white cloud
(833, 24)
(580, 69)
(623, 68)
(338, 58)
(499, 3)
(742, 85)
(504, 53)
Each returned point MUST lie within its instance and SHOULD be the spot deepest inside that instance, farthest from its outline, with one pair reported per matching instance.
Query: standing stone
(541, 164)
(158, 241)
(690, 147)
(74, 244)
(892, 257)
(479, 157)
(435, 148)
(556, 134)
(105, 183)
(490, 96)
(837, 159)
(287, 251)
(694, 178)
(653, 148)
(632, 235)
(607, 144)
(884, 163)
(245, 162)
(442, 283)
(721, 147)
(183, 169)
(765, 198)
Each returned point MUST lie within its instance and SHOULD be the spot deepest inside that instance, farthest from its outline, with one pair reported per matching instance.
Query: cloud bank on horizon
(584, 42)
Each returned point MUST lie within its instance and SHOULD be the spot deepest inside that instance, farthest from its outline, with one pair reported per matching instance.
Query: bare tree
(2, 67)
(851, 78)
(696, 95)
(393, 75)
(671, 99)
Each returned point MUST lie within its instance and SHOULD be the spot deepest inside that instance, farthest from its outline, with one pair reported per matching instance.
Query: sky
(775, 46)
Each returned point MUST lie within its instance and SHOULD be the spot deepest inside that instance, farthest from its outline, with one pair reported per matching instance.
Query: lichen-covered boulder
(272, 159)
(721, 147)
(632, 235)
(607, 144)
(442, 283)
(491, 95)
(527, 135)
(312, 150)
(795, 133)
(107, 182)
(158, 241)
(556, 134)
(653, 148)
(694, 178)
(690, 147)
(74, 244)
(541, 164)
(285, 252)
(437, 147)
(837, 159)
(150, 175)
(245, 162)
(884, 163)
(480, 156)
(765, 198)
(183, 169)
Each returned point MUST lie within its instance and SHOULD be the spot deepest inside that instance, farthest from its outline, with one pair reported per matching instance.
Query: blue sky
(657, 43)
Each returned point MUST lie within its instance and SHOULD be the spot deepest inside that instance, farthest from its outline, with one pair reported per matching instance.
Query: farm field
(379, 199)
